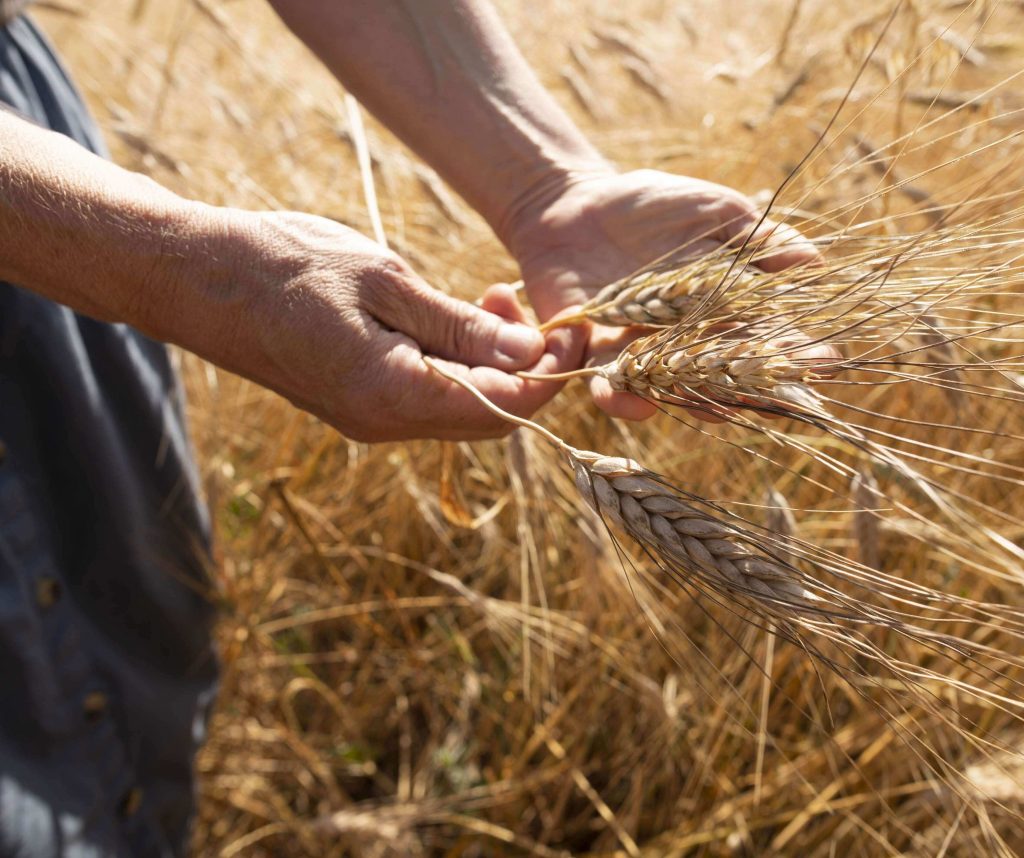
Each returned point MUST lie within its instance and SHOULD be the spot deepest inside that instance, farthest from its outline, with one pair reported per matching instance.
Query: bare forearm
(105, 241)
(447, 78)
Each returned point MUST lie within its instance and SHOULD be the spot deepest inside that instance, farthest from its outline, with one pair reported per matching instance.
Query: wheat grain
(662, 294)
(683, 536)
(726, 371)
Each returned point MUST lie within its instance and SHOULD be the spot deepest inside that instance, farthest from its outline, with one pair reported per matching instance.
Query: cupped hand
(602, 227)
(339, 326)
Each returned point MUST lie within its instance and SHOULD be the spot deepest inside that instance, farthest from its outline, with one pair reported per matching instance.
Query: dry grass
(436, 650)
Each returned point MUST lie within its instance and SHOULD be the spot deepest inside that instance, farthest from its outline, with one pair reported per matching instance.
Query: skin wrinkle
(540, 148)
(63, 214)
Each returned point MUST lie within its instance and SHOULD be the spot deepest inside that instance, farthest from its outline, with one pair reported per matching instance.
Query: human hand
(603, 226)
(339, 326)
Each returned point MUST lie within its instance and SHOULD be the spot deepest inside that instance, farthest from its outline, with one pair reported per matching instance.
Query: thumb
(459, 331)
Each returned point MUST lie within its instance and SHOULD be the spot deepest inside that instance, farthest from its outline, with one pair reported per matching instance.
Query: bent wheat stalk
(676, 532)
(701, 546)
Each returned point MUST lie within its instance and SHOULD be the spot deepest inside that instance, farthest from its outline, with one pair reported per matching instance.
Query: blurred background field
(430, 650)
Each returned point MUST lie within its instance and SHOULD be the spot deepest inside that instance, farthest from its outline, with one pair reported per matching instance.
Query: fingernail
(520, 343)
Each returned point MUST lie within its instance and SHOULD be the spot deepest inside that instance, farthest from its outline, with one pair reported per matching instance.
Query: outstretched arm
(447, 78)
(299, 304)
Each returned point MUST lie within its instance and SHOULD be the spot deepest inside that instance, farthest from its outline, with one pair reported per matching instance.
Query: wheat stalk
(679, 535)
(780, 521)
(865, 529)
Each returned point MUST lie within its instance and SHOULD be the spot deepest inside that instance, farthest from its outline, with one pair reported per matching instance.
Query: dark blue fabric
(106, 665)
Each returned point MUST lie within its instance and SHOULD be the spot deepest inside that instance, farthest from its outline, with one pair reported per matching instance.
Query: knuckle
(385, 280)
(461, 334)
(391, 266)
(381, 272)
(460, 329)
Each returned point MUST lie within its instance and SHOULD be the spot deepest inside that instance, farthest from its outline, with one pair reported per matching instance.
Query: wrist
(525, 214)
(200, 286)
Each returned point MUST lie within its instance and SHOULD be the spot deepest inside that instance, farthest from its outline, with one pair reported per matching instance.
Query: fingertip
(787, 257)
(517, 346)
(784, 247)
(500, 299)
(564, 349)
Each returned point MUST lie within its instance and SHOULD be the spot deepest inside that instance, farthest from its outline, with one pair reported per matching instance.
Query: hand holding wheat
(607, 226)
(336, 321)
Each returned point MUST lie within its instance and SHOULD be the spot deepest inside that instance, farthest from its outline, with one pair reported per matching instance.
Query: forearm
(447, 78)
(105, 241)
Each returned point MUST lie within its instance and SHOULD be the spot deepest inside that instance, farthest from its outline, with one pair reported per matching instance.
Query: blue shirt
(106, 666)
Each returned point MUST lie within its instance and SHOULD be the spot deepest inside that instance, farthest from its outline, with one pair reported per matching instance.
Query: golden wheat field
(436, 650)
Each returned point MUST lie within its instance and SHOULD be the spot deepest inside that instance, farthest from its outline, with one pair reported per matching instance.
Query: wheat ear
(680, 536)
(659, 297)
(728, 372)
(683, 536)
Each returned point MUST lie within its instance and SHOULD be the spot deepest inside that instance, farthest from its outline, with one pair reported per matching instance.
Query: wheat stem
(583, 372)
(467, 385)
